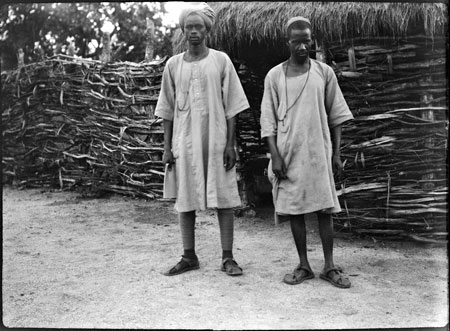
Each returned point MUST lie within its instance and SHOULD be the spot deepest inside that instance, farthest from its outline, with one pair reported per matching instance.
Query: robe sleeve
(233, 95)
(166, 100)
(269, 106)
(336, 106)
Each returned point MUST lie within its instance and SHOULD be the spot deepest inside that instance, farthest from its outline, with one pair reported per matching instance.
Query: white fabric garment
(303, 137)
(199, 97)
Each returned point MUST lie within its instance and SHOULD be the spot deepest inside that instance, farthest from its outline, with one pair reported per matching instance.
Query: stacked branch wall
(78, 123)
(395, 177)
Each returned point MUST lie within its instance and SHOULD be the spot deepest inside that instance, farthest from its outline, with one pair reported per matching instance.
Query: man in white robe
(200, 96)
(302, 112)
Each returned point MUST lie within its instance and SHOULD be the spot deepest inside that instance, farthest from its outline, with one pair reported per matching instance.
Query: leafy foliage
(46, 29)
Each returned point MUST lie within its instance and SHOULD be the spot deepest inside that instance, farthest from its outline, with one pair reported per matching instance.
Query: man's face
(300, 42)
(195, 29)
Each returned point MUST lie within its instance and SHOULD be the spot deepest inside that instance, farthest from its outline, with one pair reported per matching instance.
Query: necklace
(185, 92)
(285, 86)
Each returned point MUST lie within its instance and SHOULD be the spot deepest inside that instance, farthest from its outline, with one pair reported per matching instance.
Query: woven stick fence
(79, 123)
(72, 122)
(394, 182)
(396, 149)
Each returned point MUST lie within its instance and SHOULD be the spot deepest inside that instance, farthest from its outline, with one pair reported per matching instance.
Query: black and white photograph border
(87, 234)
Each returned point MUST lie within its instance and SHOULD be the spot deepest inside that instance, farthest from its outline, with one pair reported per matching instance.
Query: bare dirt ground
(98, 263)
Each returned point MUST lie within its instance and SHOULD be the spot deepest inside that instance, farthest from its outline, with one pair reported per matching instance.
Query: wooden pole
(390, 64)
(71, 49)
(320, 52)
(150, 39)
(20, 64)
(106, 52)
(352, 59)
(428, 115)
(20, 58)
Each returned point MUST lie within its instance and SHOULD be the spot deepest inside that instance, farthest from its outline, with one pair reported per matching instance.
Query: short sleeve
(269, 106)
(166, 100)
(233, 95)
(336, 106)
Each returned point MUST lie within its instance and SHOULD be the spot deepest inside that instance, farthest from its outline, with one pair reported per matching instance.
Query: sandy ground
(98, 263)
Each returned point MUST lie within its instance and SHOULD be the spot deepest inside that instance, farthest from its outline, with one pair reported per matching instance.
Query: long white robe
(303, 137)
(199, 97)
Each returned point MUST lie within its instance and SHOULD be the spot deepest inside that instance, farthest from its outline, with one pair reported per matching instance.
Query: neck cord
(285, 86)
(190, 77)
(181, 86)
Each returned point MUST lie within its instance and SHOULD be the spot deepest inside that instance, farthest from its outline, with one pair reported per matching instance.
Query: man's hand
(337, 163)
(168, 158)
(278, 167)
(229, 158)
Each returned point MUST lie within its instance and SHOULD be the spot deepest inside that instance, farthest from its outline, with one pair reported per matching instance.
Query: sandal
(230, 266)
(338, 280)
(184, 265)
(296, 277)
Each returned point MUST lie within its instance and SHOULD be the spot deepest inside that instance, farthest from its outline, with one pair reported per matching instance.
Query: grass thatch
(239, 23)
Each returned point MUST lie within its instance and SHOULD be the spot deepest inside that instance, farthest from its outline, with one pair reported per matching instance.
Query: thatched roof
(239, 23)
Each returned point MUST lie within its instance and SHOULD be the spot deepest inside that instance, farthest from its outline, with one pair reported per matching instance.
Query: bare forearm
(279, 168)
(231, 132)
(272, 143)
(168, 131)
(336, 136)
(229, 154)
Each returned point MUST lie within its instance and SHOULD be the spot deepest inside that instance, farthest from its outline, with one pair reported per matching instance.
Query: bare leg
(326, 235)
(298, 229)
(226, 223)
(303, 270)
(189, 260)
(187, 227)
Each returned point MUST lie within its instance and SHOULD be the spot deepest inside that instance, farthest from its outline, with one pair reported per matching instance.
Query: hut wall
(395, 178)
(81, 124)
(77, 123)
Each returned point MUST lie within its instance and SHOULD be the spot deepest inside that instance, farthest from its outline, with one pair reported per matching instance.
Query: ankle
(328, 266)
(190, 254)
(227, 254)
(305, 264)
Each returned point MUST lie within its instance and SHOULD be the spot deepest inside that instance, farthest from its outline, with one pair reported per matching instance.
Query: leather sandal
(230, 266)
(184, 265)
(338, 280)
(298, 276)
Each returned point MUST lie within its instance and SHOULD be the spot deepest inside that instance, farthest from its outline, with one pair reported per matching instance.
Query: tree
(46, 29)
(131, 21)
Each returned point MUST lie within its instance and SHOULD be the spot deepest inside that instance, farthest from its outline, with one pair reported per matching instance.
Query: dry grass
(239, 23)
